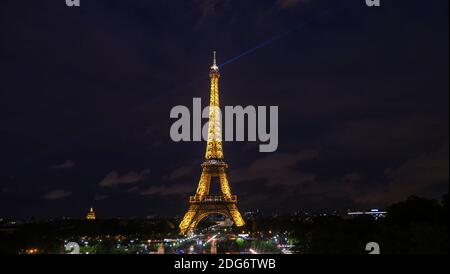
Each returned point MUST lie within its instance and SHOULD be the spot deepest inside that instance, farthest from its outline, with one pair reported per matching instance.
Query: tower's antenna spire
(214, 66)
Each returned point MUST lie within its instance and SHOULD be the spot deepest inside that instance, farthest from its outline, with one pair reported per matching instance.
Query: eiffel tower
(202, 203)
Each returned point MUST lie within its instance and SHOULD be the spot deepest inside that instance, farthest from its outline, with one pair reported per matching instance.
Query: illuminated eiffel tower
(202, 203)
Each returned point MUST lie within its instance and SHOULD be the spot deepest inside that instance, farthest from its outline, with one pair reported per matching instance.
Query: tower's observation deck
(213, 199)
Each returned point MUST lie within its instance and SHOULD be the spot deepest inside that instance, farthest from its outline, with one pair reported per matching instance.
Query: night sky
(363, 96)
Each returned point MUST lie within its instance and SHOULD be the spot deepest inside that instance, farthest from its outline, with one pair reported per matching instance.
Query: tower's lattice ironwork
(202, 203)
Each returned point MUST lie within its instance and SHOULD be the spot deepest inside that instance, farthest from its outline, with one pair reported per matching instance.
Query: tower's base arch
(197, 212)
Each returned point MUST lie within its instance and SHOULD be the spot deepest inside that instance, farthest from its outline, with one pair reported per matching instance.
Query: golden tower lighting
(202, 203)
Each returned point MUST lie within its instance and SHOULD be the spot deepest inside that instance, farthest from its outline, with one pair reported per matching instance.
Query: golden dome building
(91, 214)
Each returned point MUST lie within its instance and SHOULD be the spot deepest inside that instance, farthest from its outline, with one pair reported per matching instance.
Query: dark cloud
(114, 178)
(278, 177)
(65, 165)
(277, 169)
(168, 189)
(100, 197)
(352, 177)
(414, 177)
(57, 194)
(290, 3)
(180, 173)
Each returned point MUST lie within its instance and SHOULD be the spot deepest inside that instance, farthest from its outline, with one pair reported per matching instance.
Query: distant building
(374, 212)
(91, 214)
(213, 247)
(161, 249)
